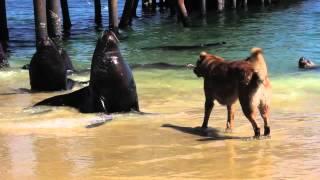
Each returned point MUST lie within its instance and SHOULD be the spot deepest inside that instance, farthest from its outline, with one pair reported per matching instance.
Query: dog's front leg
(207, 111)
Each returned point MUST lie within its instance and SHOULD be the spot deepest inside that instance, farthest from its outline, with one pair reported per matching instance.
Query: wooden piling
(245, 3)
(173, 4)
(154, 5)
(97, 12)
(40, 17)
(53, 19)
(221, 4)
(126, 18)
(203, 8)
(161, 6)
(66, 16)
(4, 33)
(183, 13)
(3, 58)
(113, 15)
(234, 4)
(135, 6)
(147, 6)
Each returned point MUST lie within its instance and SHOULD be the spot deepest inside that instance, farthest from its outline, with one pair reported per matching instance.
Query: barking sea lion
(112, 87)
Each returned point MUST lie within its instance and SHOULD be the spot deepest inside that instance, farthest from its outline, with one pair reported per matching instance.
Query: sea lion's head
(305, 63)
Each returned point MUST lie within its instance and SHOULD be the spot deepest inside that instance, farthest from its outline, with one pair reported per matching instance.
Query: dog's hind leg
(230, 120)
(250, 111)
(252, 118)
(265, 114)
(207, 111)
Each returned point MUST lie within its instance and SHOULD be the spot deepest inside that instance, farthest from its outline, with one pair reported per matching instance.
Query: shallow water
(53, 143)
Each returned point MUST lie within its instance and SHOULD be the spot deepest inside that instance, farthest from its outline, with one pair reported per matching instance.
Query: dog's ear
(203, 55)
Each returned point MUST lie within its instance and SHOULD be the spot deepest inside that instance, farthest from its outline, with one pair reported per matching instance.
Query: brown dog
(228, 81)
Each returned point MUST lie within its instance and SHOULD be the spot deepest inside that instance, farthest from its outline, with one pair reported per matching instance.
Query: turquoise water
(285, 33)
(53, 142)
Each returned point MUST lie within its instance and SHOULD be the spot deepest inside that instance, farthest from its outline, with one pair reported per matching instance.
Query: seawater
(47, 143)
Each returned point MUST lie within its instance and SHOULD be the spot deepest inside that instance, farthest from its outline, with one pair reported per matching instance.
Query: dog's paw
(228, 131)
(266, 131)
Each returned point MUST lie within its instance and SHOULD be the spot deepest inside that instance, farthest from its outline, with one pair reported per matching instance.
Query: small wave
(6, 74)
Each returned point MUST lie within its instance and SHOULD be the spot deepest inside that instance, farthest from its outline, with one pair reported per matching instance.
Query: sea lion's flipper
(75, 99)
(82, 99)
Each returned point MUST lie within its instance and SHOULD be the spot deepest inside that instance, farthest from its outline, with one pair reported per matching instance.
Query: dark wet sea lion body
(111, 78)
(112, 87)
(47, 69)
(305, 63)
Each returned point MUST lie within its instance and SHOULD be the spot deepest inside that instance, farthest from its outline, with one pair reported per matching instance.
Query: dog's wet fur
(228, 81)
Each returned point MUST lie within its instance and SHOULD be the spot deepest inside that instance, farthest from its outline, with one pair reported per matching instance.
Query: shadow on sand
(210, 134)
(207, 134)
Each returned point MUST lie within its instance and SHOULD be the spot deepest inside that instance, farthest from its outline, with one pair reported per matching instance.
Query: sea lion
(112, 87)
(69, 66)
(305, 63)
(48, 68)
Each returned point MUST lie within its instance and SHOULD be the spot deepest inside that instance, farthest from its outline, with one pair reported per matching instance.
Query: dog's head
(204, 63)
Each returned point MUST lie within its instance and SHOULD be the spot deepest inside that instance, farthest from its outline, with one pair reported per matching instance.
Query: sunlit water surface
(53, 143)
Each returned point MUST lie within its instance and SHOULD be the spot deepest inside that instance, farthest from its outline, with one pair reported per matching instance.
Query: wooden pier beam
(40, 17)
(149, 6)
(113, 15)
(234, 4)
(161, 6)
(203, 8)
(4, 33)
(97, 13)
(53, 19)
(245, 4)
(135, 6)
(221, 4)
(66, 16)
(3, 57)
(154, 5)
(145, 5)
(183, 13)
(126, 17)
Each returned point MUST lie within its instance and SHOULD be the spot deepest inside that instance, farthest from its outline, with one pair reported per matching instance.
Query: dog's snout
(196, 71)
(190, 66)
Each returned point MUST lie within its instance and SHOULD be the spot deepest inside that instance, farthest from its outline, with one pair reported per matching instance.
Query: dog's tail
(258, 61)
(256, 56)
(254, 83)
(256, 50)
